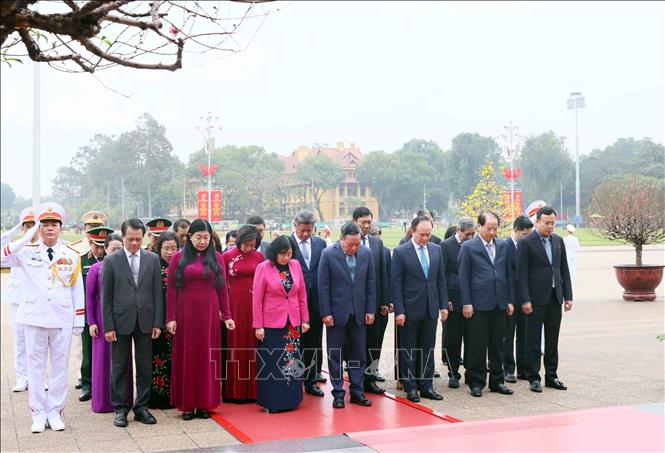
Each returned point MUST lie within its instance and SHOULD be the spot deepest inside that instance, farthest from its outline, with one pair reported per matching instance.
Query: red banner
(515, 174)
(517, 205)
(216, 205)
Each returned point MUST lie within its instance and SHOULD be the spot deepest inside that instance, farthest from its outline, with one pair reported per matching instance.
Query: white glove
(76, 331)
(7, 236)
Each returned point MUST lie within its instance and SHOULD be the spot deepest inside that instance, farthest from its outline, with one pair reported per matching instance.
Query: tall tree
(321, 174)
(546, 168)
(468, 155)
(7, 196)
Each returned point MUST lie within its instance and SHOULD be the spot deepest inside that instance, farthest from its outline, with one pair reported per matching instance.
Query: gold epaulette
(81, 247)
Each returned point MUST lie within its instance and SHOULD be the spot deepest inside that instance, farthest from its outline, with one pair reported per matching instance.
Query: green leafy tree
(546, 168)
(468, 155)
(321, 174)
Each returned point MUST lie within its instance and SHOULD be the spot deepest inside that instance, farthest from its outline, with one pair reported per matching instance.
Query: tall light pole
(36, 136)
(511, 144)
(208, 126)
(577, 101)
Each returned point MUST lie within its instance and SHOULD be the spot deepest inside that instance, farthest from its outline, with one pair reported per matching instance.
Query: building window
(342, 209)
(353, 190)
(341, 190)
(362, 191)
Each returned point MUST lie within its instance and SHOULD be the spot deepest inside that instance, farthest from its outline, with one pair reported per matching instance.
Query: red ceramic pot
(639, 282)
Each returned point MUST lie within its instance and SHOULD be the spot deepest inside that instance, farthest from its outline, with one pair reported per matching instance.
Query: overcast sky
(377, 74)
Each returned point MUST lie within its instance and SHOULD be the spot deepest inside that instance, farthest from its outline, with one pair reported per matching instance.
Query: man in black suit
(544, 284)
(307, 250)
(347, 303)
(132, 295)
(522, 226)
(453, 331)
(362, 217)
(420, 297)
(487, 295)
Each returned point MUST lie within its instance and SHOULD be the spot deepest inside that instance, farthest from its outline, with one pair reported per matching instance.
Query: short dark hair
(217, 241)
(547, 210)
(181, 223)
(231, 234)
(452, 229)
(349, 229)
(164, 237)
(421, 218)
(255, 220)
(426, 213)
(248, 233)
(361, 211)
(482, 218)
(134, 224)
(110, 238)
(281, 244)
(522, 223)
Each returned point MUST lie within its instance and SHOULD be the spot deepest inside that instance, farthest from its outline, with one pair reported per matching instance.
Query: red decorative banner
(517, 205)
(515, 175)
(216, 205)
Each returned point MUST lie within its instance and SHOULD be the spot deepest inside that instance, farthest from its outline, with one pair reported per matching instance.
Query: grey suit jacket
(123, 301)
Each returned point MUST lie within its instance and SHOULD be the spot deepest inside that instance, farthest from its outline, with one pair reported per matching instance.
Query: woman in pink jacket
(279, 317)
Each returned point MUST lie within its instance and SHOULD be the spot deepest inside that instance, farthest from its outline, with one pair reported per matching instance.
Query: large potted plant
(632, 209)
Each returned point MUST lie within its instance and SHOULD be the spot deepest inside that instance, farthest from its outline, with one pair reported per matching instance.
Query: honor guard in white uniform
(13, 297)
(51, 310)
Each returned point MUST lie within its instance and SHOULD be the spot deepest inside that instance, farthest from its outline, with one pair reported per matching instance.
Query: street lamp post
(577, 101)
(209, 124)
(511, 145)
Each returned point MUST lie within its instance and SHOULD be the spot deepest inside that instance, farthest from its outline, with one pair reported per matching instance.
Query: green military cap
(158, 226)
(98, 234)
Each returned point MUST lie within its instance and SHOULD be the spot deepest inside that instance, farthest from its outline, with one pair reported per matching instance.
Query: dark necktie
(49, 251)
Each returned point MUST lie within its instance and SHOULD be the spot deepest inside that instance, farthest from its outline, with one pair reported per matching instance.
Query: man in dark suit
(347, 302)
(487, 295)
(426, 213)
(515, 322)
(544, 284)
(454, 327)
(420, 297)
(307, 250)
(132, 295)
(375, 332)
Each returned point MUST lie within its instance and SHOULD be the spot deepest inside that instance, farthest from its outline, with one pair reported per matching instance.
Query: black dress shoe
(188, 415)
(453, 383)
(555, 384)
(502, 389)
(320, 379)
(360, 400)
(313, 390)
(200, 413)
(145, 417)
(510, 378)
(78, 385)
(371, 387)
(120, 419)
(430, 395)
(534, 386)
(412, 396)
(379, 378)
(476, 391)
(338, 403)
(437, 374)
(85, 395)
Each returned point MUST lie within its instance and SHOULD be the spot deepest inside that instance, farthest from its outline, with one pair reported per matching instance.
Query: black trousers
(454, 333)
(549, 316)
(514, 343)
(121, 353)
(86, 359)
(374, 341)
(311, 345)
(416, 353)
(486, 330)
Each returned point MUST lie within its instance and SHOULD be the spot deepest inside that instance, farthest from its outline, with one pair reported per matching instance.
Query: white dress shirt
(418, 252)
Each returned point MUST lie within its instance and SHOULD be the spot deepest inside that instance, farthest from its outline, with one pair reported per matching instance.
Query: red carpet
(608, 429)
(316, 417)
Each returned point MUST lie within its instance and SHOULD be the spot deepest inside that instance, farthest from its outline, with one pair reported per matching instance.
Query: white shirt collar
(299, 241)
(485, 242)
(415, 244)
(129, 254)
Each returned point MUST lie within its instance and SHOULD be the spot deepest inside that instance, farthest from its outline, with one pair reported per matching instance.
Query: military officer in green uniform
(155, 228)
(95, 235)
